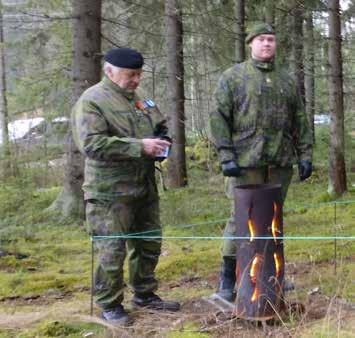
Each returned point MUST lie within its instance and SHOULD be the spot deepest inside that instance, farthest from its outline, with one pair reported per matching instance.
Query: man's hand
(153, 147)
(230, 169)
(304, 169)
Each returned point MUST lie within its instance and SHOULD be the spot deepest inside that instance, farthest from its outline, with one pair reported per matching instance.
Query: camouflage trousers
(117, 218)
(272, 175)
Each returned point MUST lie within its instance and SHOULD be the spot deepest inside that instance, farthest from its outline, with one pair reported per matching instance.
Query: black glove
(165, 137)
(304, 169)
(230, 169)
(161, 131)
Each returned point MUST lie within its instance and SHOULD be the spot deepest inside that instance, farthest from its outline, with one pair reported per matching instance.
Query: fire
(250, 224)
(274, 227)
(255, 295)
(254, 270)
(251, 230)
(255, 267)
(277, 264)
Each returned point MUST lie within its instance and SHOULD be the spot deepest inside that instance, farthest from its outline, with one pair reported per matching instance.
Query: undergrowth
(42, 255)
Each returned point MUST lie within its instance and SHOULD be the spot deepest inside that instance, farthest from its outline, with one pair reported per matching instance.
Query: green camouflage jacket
(258, 117)
(108, 126)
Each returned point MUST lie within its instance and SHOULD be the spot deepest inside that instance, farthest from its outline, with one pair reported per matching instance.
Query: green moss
(188, 259)
(201, 154)
(58, 258)
(60, 329)
(27, 284)
(8, 263)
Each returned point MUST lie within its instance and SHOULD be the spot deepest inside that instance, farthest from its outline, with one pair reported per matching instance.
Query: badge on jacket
(144, 105)
(149, 103)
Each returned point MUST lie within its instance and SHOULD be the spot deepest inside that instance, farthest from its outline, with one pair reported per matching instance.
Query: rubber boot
(227, 279)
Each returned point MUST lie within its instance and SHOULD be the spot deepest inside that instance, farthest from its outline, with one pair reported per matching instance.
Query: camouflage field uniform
(119, 188)
(259, 122)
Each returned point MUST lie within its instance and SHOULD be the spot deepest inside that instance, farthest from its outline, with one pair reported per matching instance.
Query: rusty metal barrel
(260, 255)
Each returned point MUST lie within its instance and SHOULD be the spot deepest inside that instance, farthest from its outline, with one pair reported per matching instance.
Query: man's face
(127, 79)
(263, 47)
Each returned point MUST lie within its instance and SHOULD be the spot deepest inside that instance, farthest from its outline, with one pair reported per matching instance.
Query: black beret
(124, 58)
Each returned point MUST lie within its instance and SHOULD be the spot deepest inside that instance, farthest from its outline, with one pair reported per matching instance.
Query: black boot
(227, 279)
(117, 316)
(152, 301)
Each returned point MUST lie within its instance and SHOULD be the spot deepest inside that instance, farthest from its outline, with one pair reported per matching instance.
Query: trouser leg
(108, 219)
(143, 253)
(281, 176)
(108, 279)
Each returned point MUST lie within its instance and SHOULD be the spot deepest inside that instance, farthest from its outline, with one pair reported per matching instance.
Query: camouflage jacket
(258, 117)
(108, 126)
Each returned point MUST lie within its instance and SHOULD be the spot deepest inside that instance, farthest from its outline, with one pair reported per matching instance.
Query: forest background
(51, 51)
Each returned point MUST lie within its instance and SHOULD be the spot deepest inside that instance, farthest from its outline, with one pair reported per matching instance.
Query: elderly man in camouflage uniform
(121, 133)
(259, 129)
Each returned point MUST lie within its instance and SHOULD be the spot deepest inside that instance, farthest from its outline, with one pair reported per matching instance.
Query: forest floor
(67, 314)
(45, 261)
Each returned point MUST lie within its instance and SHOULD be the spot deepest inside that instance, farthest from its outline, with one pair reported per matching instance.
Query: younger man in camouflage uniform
(121, 132)
(260, 129)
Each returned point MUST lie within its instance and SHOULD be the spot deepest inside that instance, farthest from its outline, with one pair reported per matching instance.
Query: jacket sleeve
(303, 135)
(221, 120)
(92, 137)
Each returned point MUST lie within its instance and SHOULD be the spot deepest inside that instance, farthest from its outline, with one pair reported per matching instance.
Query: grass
(61, 329)
(47, 258)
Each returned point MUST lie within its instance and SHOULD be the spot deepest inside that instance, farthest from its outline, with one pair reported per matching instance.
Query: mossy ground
(45, 262)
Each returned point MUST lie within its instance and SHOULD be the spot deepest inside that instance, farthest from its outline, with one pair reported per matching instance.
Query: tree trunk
(309, 68)
(270, 12)
(337, 173)
(239, 10)
(177, 173)
(86, 70)
(284, 56)
(5, 146)
(86, 45)
(297, 48)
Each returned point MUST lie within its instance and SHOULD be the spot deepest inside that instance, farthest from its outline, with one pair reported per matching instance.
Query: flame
(255, 295)
(255, 265)
(251, 229)
(274, 225)
(254, 269)
(250, 224)
(277, 264)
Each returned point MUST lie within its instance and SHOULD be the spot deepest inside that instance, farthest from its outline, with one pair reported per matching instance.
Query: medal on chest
(142, 107)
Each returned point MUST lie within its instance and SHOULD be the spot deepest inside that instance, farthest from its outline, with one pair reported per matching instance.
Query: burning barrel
(260, 261)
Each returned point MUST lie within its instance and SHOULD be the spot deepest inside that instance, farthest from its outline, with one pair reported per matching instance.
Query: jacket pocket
(123, 171)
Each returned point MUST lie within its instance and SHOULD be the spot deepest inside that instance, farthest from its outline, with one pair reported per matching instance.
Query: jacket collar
(116, 88)
(263, 65)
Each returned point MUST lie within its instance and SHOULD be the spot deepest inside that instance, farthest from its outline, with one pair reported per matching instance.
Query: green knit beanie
(258, 29)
